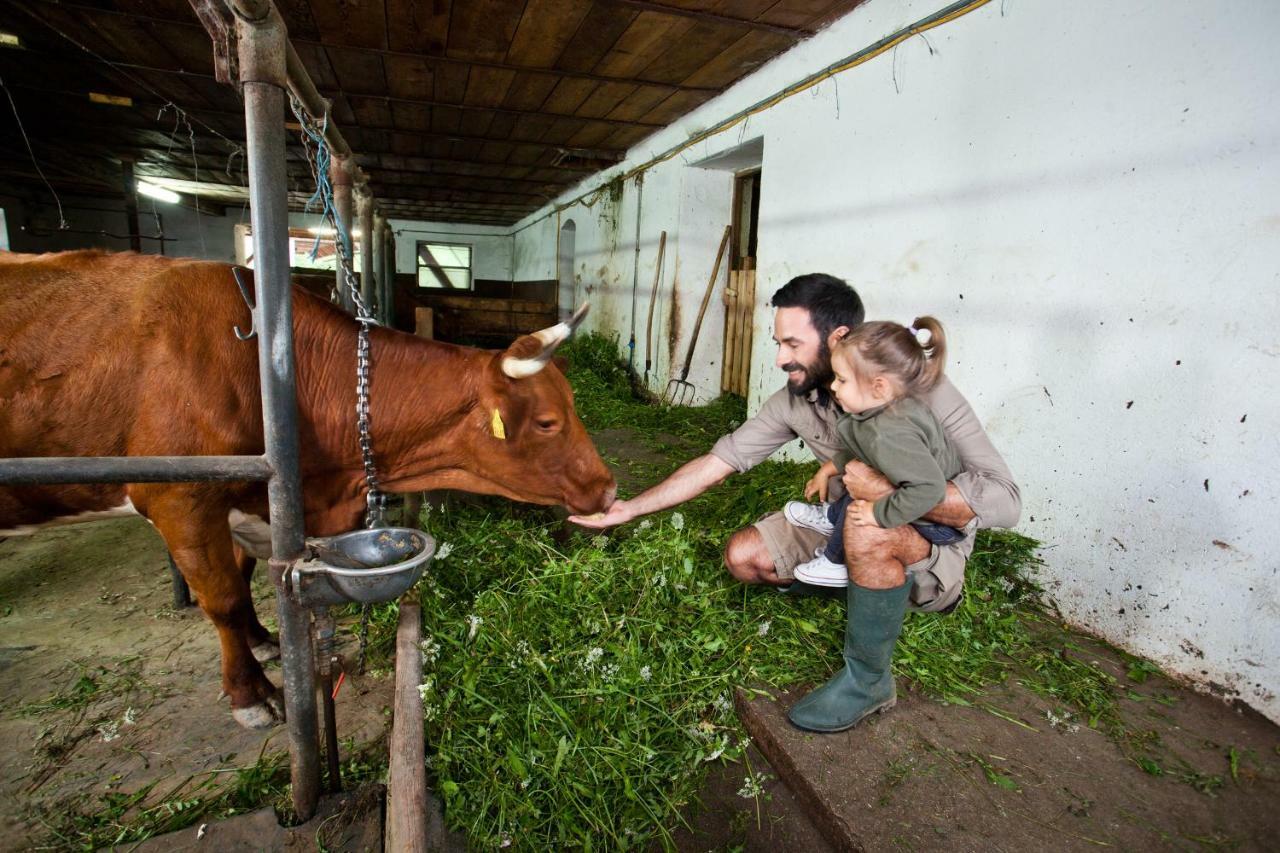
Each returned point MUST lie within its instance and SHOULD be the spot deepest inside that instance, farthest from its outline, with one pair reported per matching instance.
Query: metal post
(340, 179)
(390, 255)
(364, 209)
(262, 48)
(377, 245)
(131, 205)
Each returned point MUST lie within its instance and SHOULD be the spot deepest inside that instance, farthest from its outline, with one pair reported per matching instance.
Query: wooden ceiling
(474, 111)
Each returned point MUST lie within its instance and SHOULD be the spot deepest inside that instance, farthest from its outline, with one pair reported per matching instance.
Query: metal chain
(375, 513)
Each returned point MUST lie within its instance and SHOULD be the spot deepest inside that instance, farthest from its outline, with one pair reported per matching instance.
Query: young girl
(881, 369)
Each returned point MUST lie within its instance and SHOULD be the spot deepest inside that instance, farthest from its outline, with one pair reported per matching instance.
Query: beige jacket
(986, 483)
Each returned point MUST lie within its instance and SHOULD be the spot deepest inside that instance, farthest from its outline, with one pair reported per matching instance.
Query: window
(302, 241)
(444, 265)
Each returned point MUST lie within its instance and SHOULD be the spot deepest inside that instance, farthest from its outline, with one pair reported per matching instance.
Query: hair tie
(915, 334)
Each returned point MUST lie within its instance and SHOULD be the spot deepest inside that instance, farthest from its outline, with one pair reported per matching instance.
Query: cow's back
(107, 354)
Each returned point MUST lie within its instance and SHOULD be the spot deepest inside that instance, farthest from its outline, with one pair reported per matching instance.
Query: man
(886, 566)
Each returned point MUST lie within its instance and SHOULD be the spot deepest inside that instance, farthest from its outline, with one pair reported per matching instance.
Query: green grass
(578, 690)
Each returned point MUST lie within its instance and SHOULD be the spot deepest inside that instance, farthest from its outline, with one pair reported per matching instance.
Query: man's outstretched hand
(619, 513)
(865, 483)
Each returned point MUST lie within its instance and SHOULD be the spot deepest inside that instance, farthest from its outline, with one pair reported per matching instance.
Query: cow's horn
(550, 338)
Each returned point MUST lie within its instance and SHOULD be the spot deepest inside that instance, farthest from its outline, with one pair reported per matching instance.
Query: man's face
(802, 352)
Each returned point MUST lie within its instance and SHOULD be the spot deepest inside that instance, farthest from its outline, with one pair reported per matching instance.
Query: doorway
(740, 293)
(564, 269)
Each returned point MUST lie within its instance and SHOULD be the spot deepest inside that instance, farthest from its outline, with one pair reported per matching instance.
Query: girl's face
(856, 395)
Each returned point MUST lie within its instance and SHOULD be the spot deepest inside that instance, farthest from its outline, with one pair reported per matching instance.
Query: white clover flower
(110, 730)
(753, 786)
(644, 525)
(645, 673)
(719, 750)
(445, 549)
(764, 627)
(430, 651)
(677, 520)
(474, 622)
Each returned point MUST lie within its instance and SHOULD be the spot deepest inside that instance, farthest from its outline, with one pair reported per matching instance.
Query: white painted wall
(1088, 195)
(491, 246)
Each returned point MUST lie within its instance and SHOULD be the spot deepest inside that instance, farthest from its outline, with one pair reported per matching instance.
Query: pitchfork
(680, 391)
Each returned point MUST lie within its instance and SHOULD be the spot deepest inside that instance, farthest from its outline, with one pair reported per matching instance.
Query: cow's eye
(548, 424)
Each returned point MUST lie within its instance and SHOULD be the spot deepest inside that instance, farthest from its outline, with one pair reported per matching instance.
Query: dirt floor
(108, 689)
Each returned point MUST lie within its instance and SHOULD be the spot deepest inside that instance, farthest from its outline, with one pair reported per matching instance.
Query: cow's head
(527, 439)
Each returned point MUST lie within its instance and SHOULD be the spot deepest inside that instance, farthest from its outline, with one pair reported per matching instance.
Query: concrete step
(1008, 772)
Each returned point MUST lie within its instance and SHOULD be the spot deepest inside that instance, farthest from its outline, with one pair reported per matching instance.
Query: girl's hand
(860, 514)
(816, 488)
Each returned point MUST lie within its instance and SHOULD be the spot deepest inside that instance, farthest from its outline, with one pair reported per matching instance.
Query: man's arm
(686, 483)
(865, 483)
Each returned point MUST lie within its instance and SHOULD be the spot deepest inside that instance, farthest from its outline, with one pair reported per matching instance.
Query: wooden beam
(793, 33)
(444, 60)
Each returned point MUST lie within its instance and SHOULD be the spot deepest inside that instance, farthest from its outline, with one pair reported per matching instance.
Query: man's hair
(831, 302)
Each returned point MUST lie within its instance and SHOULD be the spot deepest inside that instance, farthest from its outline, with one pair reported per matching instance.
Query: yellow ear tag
(498, 427)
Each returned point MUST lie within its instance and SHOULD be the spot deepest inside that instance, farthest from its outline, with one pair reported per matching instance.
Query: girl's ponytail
(935, 353)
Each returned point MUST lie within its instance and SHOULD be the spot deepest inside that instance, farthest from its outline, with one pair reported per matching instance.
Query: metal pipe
(262, 47)
(132, 469)
(390, 257)
(340, 179)
(364, 212)
(377, 244)
(326, 630)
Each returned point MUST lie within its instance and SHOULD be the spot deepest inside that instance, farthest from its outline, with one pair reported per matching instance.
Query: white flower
(764, 627)
(430, 651)
(644, 525)
(445, 549)
(645, 673)
(109, 730)
(677, 520)
(130, 717)
(753, 786)
(719, 750)
(598, 542)
(593, 657)
(722, 703)
(608, 671)
(506, 841)
(474, 622)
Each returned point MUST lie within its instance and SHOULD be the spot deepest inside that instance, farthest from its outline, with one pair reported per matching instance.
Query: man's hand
(619, 513)
(865, 483)
(860, 514)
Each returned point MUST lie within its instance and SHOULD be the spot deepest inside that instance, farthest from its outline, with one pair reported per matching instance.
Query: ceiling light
(9, 40)
(159, 192)
(110, 100)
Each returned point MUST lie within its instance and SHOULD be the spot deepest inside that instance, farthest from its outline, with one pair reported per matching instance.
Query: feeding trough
(362, 567)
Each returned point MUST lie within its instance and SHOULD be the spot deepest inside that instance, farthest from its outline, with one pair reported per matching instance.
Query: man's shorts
(939, 577)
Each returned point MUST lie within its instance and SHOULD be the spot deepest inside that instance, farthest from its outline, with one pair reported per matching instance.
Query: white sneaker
(811, 516)
(822, 572)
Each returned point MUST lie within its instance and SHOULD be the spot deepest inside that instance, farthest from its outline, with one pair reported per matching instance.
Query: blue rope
(324, 189)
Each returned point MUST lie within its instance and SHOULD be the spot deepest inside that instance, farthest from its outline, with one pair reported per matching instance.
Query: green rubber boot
(865, 684)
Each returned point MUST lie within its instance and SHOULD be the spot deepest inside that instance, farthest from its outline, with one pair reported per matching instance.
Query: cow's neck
(422, 393)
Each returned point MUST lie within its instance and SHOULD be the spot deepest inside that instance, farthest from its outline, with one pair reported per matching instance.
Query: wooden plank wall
(739, 301)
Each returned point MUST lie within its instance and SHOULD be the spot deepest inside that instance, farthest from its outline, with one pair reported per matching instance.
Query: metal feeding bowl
(365, 566)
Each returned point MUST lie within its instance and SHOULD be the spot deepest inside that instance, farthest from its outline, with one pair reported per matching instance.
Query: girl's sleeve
(919, 484)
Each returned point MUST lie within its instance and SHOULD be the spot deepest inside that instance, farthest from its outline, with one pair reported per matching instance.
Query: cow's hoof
(263, 715)
(266, 650)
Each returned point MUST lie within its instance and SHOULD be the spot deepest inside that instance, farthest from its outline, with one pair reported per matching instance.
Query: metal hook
(237, 272)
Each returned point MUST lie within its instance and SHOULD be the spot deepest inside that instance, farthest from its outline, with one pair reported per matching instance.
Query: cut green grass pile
(577, 692)
(578, 689)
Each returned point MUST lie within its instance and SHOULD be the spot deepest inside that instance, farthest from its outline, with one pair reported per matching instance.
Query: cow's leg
(264, 645)
(200, 543)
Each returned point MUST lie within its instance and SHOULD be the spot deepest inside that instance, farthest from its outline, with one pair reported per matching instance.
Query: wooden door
(740, 293)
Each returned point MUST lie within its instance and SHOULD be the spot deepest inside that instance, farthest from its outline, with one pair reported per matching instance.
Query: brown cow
(120, 354)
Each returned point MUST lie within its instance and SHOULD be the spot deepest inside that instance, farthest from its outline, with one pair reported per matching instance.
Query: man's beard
(815, 376)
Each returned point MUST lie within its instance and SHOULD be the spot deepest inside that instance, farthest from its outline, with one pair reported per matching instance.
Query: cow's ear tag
(498, 427)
